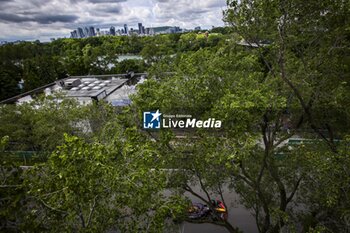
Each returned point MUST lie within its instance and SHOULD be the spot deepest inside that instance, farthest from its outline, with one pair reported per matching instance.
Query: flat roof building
(114, 89)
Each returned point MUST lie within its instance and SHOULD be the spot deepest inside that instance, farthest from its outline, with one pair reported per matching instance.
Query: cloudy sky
(44, 19)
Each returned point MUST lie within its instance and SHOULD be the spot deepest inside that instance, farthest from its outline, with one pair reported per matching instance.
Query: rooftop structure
(114, 89)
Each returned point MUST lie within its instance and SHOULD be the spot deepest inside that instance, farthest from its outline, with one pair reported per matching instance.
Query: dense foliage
(278, 78)
(42, 63)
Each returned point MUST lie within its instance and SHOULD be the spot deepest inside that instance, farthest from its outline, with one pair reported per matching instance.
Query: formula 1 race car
(199, 211)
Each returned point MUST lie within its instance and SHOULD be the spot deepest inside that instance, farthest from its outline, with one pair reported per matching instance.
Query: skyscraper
(141, 31)
(80, 33)
(112, 31)
(151, 31)
(126, 31)
(86, 32)
(74, 34)
(92, 31)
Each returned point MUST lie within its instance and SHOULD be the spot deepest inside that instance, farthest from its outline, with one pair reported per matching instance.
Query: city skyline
(38, 19)
(90, 31)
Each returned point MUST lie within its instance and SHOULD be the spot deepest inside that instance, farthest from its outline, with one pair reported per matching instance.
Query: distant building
(83, 32)
(141, 28)
(173, 30)
(162, 30)
(149, 31)
(126, 31)
(133, 32)
(80, 33)
(86, 32)
(112, 31)
(92, 31)
(114, 89)
(74, 34)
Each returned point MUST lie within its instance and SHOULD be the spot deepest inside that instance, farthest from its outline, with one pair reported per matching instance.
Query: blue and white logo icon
(151, 120)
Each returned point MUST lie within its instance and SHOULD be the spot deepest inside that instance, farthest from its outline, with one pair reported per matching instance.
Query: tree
(305, 45)
(40, 71)
(13, 195)
(122, 67)
(260, 113)
(87, 187)
(199, 82)
(39, 126)
(91, 187)
(157, 47)
(10, 75)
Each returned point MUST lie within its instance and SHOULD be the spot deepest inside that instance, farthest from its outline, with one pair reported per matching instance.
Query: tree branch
(91, 211)
(294, 190)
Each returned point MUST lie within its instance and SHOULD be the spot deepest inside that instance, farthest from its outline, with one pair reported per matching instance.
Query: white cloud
(43, 19)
